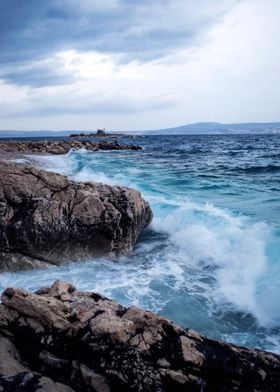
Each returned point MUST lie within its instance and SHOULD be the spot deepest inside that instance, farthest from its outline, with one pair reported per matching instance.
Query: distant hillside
(218, 129)
(208, 128)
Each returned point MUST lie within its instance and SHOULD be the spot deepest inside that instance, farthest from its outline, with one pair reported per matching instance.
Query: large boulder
(47, 219)
(80, 340)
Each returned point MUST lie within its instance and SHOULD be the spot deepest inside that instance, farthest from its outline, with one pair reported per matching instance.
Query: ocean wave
(233, 248)
(204, 267)
(258, 169)
(272, 155)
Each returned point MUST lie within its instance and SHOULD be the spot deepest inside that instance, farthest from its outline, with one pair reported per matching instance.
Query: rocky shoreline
(46, 219)
(61, 146)
(61, 339)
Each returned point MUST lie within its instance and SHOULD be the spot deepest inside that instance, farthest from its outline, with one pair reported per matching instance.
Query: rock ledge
(61, 339)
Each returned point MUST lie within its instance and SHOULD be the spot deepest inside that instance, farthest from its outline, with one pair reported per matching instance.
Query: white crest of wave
(231, 248)
(68, 164)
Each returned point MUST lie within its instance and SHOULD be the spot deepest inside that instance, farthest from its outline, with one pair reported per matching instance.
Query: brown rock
(46, 219)
(9, 359)
(190, 351)
(48, 310)
(14, 376)
(107, 347)
(61, 146)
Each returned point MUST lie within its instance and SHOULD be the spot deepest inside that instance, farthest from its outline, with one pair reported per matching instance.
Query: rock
(45, 219)
(9, 359)
(100, 132)
(99, 345)
(14, 376)
(31, 382)
(61, 146)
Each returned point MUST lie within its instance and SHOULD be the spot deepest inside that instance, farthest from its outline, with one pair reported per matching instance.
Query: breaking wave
(205, 266)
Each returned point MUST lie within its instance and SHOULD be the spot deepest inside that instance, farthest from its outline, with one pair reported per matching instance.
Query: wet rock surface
(52, 146)
(47, 219)
(67, 340)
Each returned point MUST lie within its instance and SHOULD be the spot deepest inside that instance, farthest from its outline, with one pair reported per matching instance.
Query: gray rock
(46, 219)
(14, 376)
(89, 343)
(100, 132)
(61, 146)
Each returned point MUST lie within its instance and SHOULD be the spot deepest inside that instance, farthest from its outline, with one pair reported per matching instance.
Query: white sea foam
(60, 163)
(197, 257)
(231, 248)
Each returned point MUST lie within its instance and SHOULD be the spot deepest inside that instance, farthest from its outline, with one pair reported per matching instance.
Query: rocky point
(62, 339)
(47, 219)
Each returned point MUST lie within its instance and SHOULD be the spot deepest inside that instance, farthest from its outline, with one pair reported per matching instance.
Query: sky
(137, 64)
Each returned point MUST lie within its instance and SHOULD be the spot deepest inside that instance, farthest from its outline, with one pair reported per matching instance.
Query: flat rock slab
(47, 219)
(85, 342)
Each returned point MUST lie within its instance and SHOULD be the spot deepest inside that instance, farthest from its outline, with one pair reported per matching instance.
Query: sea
(210, 260)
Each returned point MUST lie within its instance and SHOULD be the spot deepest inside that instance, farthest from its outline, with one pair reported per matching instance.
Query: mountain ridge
(209, 128)
(220, 128)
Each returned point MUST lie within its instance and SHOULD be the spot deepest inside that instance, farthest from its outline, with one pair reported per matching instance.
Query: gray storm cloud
(32, 31)
(132, 64)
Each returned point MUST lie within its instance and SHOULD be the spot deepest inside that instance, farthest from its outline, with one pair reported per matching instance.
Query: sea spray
(210, 259)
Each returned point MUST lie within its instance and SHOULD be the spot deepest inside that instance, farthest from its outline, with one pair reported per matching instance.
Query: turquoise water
(210, 260)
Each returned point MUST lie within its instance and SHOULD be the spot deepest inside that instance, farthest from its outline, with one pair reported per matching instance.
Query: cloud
(94, 96)
(34, 31)
(137, 64)
(48, 72)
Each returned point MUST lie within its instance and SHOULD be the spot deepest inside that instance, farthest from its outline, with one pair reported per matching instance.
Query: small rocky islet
(62, 339)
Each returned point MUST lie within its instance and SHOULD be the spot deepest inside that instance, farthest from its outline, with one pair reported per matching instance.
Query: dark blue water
(211, 259)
